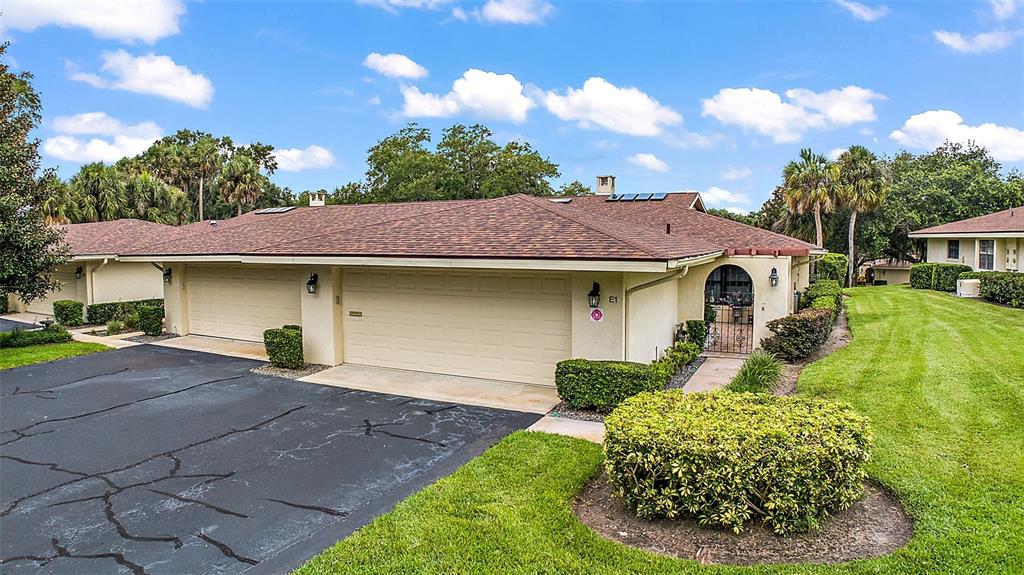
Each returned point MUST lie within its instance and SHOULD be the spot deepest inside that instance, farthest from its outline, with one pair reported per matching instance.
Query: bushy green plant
(823, 288)
(922, 275)
(151, 319)
(284, 347)
(68, 312)
(697, 332)
(1006, 288)
(832, 266)
(101, 313)
(944, 276)
(710, 313)
(131, 320)
(826, 302)
(760, 373)
(601, 385)
(680, 354)
(798, 335)
(115, 326)
(292, 326)
(3, 303)
(21, 338)
(726, 458)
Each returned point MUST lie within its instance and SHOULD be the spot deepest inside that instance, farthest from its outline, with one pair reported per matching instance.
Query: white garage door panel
(68, 290)
(240, 303)
(490, 325)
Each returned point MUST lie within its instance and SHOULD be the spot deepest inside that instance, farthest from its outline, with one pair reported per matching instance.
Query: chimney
(317, 199)
(605, 185)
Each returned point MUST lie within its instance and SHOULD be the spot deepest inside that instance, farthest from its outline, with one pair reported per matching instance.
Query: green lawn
(15, 356)
(941, 378)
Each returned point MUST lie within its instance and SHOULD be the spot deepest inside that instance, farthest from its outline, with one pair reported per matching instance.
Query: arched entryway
(729, 298)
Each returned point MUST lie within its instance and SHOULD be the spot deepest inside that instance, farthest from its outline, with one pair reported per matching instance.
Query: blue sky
(709, 96)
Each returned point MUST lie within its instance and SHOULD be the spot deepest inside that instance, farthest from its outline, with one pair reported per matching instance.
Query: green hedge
(832, 266)
(727, 458)
(1006, 288)
(823, 288)
(21, 338)
(284, 347)
(602, 385)
(151, 319)
(68, 312)
(697, 332)
(3, 303)
(798, 335)
(760, 373)
(100, 313)
(826, 302)
(936, 276)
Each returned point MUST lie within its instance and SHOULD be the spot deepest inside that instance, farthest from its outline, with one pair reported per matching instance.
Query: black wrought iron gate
(732, 331)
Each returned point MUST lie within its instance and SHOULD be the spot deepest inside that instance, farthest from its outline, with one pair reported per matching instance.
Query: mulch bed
(838, 339)
(873, 526)
(152, 338)
(677, 381)
(309, 369)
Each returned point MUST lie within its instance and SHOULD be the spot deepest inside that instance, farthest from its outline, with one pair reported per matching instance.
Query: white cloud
(978, 44)
(118, 139)
(764, 111)
(311, 157)
(394, 6)
(459, 14)
(863, 12)
(482, 94)
(394, 65)
(623, 110)
(648, 161)
(1003, 9)
(736, 173)
(931, 129)
(374, 101)
(834, 153)
(715, 197)
(516, 11)
(114, 19)
(150, 74)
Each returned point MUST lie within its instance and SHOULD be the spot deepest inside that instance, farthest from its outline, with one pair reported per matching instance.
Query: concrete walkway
(221, 346)
(115, 341)
(715, 373)
(437, 387)
(589, 430)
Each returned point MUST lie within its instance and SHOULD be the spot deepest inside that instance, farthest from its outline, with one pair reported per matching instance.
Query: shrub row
(760, 373)
(3, 303)
(602, 385)
(936, 276)
(832, 266)
(21, 338)
(284, 347)
(726, 458)
(151, 319)
(68, 312)
(1006, 288)
(100, 313)
(798, 335)
(823, 288)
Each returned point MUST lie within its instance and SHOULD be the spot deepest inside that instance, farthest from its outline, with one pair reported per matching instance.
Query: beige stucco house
(94, 274)
(986, 243)
(501, 288)
(885, 271)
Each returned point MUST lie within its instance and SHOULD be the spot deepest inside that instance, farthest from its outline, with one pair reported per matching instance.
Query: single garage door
(68, 290)
(241, 302)
(505, 326)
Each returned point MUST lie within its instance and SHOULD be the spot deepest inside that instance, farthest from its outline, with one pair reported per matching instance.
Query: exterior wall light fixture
(167, 276)
(773, 278)
(78, 273)
(311, 283)
(594, 295)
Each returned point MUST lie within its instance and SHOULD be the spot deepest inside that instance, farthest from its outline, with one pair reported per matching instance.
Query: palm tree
(863, 185)
(104, 189)
(240, 181)
(809, 185)
(206, 162)
(60, 205)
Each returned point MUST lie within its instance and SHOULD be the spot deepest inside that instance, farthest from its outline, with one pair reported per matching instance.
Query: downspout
(636, 288)
(90, 289)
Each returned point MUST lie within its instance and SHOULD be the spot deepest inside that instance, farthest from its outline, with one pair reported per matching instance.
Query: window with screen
(953, 249)
(987, 254)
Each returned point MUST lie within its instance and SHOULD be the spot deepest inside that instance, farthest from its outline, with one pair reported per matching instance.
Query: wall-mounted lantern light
(773, 277)
(167, 276)
(78, 273)
(594, 295)
(311, 283)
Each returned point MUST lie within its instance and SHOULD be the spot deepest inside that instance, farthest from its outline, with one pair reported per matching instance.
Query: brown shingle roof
(517, 226)
(1011, 220)
(112, 238)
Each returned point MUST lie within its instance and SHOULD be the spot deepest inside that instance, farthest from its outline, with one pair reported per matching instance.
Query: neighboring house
(501, 288)
(990, 242)
(94, 275)
(885, 272)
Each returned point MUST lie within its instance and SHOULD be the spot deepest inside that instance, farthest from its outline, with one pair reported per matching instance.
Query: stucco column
(321, 316)
(176, 300)
(597, 339)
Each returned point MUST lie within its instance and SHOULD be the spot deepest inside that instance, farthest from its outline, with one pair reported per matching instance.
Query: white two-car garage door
(241, 302)
(506, 326)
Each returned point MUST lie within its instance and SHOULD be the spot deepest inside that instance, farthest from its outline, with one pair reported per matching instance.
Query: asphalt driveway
(157, 460)
(11, 325)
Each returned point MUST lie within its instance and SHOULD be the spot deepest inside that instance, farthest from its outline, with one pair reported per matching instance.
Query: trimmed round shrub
(284, 347)
(832, 266)
(823, 288)
(68, 312)
(151, 319)
(601, 385)
(798, 335)
(728, 458)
